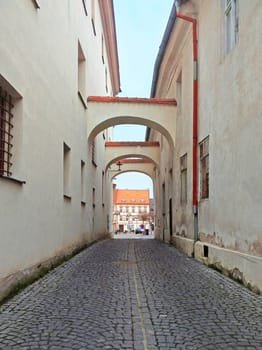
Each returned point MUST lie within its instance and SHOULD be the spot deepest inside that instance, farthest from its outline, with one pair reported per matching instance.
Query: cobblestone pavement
(132, 294)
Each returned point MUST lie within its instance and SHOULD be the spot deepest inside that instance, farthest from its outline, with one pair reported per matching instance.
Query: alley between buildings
(132, 294)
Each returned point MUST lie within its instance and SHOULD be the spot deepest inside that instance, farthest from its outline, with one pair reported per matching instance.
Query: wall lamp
(119, 164)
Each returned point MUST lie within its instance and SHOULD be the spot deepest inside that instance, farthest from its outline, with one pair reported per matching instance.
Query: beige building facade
(53, 54)
(216, 81)
(131, 210)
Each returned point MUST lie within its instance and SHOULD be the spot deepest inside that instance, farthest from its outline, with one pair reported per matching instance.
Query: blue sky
(140, 26)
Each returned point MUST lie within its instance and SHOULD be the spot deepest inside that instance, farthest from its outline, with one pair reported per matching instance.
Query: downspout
(195, 121)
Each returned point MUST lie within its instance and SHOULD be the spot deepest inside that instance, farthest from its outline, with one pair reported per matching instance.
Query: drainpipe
(195, 121)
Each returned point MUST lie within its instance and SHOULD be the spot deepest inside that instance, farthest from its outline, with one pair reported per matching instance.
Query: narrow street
(132, 294)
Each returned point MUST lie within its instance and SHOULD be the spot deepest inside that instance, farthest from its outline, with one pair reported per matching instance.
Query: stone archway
(120, 150)
(105, 111)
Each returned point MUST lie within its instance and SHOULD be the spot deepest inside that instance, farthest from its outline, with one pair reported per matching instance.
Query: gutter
(172, 18)
(194, 121)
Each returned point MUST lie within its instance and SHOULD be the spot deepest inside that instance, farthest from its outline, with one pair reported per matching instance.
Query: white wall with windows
(229, 137)
(51, 192)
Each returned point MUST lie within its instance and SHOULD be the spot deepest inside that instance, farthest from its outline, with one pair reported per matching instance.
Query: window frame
(84, 6)
(66, 171)
(183, 179)
(6, 136)
(204, 168)
(231, 24)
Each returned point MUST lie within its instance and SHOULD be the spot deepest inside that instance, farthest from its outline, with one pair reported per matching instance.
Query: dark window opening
(205, 251)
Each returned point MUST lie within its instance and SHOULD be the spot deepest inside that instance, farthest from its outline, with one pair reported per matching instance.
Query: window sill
(202, 200)
(12, 179)
(67, 197)
(82, 100)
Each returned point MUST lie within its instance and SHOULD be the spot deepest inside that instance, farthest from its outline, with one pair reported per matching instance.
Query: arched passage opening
(133, 210)
(133, 120)
(105, 111)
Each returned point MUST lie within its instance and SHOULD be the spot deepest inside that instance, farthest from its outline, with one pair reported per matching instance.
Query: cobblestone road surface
(132, 294)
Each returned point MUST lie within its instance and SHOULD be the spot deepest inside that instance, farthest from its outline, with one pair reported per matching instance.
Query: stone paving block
(132, 295)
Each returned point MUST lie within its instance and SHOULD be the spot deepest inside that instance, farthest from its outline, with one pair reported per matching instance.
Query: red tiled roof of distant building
(135, 197)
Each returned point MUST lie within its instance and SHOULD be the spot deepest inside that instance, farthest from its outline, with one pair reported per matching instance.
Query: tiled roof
(128, 197)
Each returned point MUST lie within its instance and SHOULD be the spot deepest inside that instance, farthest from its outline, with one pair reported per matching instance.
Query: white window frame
(231, 24)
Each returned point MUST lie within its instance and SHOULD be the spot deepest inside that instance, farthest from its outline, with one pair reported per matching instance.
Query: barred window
(204, 167)
(6, 136)
(183, 179)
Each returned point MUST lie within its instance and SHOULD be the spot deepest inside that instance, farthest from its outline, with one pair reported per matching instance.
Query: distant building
(131, 209)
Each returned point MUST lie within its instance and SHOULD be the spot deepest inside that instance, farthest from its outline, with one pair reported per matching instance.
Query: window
(106, 79)
(36, 3)
(123, 200)
(81, 75)
(179, 92)
(204, 168)
(103, 180)
(93, 16)
(66, 150)
(183, 179)
(231, 24)
(94, 197)
(83, 190)
(84, 5)
(94, 152)
(6, 126)
(102, 47)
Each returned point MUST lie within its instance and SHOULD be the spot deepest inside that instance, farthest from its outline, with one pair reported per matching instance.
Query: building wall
(229, 112)
(39, 59)
(131, 209)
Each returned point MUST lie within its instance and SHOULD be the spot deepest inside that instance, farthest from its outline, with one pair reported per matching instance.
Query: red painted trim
(195, 103)
(132, 143)
(161, 101)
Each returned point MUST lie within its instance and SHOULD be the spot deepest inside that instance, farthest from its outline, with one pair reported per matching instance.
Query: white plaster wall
(38, 57)
(230, 110)
(178, 59)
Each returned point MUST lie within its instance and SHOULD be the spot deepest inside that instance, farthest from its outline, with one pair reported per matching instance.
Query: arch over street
(106, 111)
(140, 165)
(119, 150)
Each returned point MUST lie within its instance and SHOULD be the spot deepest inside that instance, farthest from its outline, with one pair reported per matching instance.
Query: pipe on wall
(194, 121)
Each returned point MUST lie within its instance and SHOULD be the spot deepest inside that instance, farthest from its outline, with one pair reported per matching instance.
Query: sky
(140, 25)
